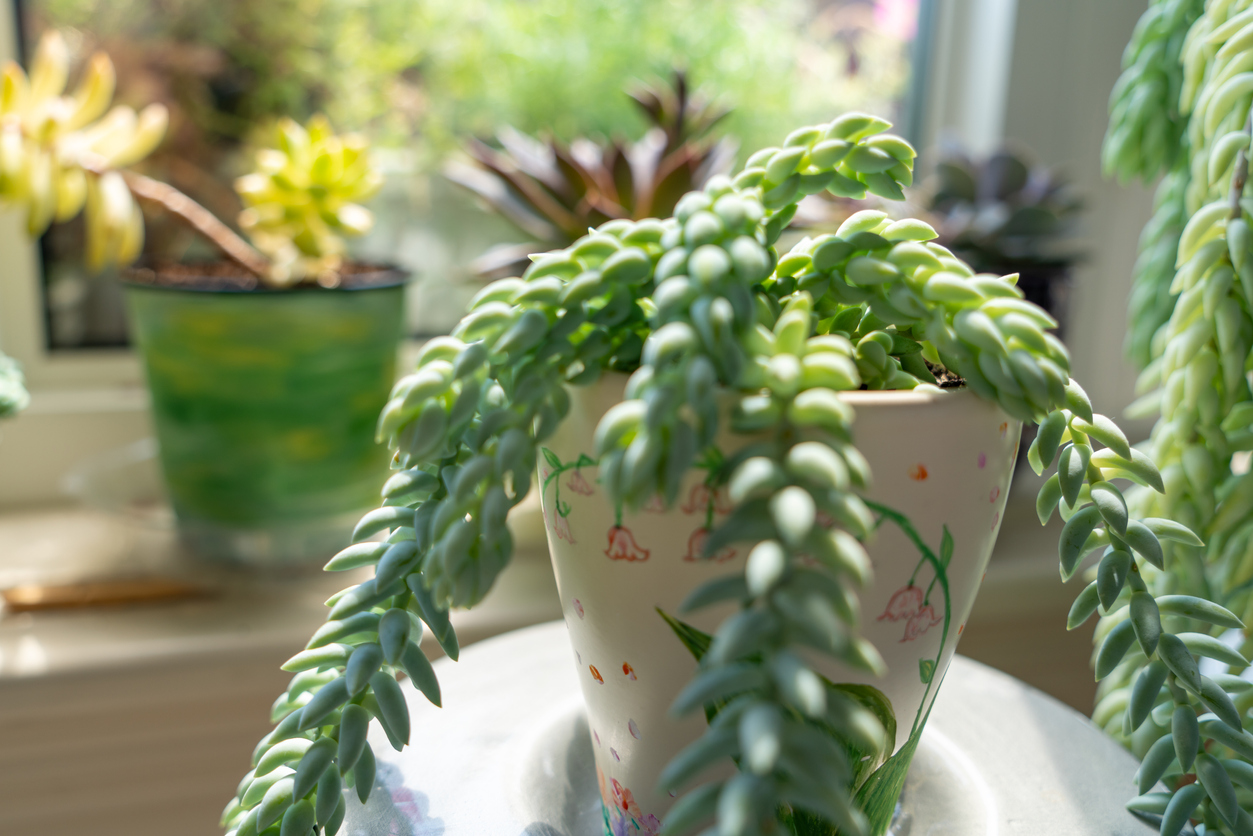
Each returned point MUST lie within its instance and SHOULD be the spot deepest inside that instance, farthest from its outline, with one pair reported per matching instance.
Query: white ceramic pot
(943, 461)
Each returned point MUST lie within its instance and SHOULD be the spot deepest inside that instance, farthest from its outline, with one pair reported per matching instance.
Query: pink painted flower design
(634, 730)
(578, 484)
(983, 460)
(578, 607)
(920, 622)
(650, 825)
(698, 501)
(561, 526)
(622, 546)
(616, 757)
(622, 797)
(904, 603)
(696, 548)
(994, 494)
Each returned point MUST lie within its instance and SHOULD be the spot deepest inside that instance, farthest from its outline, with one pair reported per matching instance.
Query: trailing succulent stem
(1192, 331)
(703, 311)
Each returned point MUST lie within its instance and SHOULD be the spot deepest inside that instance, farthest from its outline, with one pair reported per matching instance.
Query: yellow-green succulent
(304, 198)
(61, 151)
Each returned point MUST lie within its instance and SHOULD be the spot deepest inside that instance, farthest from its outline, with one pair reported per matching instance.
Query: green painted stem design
(558, 468)
(878, 795)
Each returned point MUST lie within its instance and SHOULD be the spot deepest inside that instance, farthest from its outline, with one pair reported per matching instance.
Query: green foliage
(246, 64)
(1146, 126)
(1192, 330)
(13, 395)
(533, 64)
(701, 309)
(1001, 213)
(446, 69)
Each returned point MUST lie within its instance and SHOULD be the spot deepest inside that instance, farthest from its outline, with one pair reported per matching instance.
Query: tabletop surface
(509, 755)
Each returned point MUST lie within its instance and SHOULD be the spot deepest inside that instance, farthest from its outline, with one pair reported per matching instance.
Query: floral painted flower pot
(942, 465)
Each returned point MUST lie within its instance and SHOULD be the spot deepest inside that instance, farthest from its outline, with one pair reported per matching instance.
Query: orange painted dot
(919, 473)
(1004, 427)
(628, 671)
(960, 627)
(596, 674)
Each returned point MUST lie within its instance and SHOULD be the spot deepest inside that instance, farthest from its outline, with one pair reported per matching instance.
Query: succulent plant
(555, 191)
(13, 395)
(304, 198)
(1002, 214)
(61, 152)
(1183, 105)
(702, 309)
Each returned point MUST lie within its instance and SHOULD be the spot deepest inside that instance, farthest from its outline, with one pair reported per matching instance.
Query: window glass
(420, 76)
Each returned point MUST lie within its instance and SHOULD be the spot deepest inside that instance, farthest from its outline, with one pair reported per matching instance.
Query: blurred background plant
(417, 77)
(13, 395)
(1005, 214)
(304, 199)
(555, 191)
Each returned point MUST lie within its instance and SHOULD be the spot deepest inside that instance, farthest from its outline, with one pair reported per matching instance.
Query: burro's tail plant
(1189, 71)
(1189, 79)
(65, 153)
(698, 309)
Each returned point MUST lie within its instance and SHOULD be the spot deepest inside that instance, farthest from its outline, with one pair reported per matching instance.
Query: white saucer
(509, 755)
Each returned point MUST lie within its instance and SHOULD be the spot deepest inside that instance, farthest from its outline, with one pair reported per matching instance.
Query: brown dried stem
(201, 220)
(1241, 175)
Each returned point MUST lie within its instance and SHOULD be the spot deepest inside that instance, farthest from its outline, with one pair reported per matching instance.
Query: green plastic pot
(264, 404)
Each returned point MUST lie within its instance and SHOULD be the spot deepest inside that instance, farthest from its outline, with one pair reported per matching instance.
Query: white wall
(1066, 57)
(1038, 73)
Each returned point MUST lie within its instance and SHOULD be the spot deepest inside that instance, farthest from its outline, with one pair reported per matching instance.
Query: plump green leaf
(1186, 734)
(1114, 648)
(1202, 644)
(1044, 447)
(1074, 536)
(1109, 500)
(1111, 575)
(1072, 470)
(1144, 694)
(1155, 762)
(1083, 607)
(1180, 808)
(1216, 700)
(1146, 620)
(1198, 609)
(1145, 542)
(1048, 497)
(1171, 530)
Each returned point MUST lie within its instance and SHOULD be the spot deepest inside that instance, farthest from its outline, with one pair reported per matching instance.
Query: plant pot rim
(856, 397)
(390, 276)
